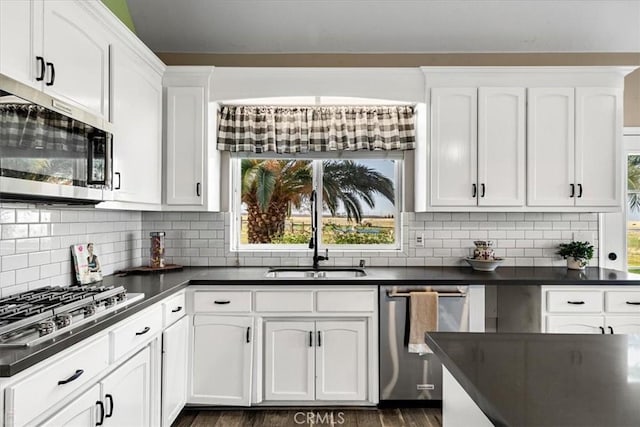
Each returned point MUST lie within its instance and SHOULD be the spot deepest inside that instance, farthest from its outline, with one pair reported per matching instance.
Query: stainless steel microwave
(51, 151)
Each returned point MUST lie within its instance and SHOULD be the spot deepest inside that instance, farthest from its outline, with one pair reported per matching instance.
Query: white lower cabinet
(87, 410)
(127, 392)
(312, 344)
(175, 345)
(321, 360)
(591, 310)
(289, 360)
(222, 360)
(341, 360)
(575, 324)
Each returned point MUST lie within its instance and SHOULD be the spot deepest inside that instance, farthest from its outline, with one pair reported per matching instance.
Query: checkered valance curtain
(261, 129)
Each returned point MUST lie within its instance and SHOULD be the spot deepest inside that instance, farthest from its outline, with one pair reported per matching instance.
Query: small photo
(86, 263)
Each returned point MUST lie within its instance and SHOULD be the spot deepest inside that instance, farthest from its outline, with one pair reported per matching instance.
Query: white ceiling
(387, 26)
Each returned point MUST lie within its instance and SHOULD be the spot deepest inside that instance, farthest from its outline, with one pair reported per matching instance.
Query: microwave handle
(105, 156)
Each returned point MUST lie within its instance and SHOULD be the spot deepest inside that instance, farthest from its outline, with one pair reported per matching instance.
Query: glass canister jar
(156, 251)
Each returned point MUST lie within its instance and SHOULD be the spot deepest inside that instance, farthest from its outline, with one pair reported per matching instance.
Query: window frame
(316, 158)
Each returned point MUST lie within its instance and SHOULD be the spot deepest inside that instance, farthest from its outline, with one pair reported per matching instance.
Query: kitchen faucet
(313, 242)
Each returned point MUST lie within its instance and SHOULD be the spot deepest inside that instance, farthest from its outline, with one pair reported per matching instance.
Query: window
(633, 213)
(359, 199)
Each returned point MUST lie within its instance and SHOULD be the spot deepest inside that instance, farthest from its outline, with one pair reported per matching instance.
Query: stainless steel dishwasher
(408, 376)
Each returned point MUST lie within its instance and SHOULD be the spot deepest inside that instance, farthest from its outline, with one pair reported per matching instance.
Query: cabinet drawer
(222, 301)
(333, 301)
(42, 390)
(284, 301)
(622, 301)
(174, 308)
(574, 301)
(135, 332)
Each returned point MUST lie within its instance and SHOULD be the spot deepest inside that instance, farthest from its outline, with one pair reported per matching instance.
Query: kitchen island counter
(543, 379)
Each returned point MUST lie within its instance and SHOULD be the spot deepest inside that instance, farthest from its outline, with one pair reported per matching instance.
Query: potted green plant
(577, 254)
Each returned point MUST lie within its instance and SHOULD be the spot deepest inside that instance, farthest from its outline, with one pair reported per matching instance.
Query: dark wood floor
(409, 417)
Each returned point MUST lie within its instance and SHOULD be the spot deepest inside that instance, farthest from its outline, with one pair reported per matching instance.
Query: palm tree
(633, 182)
(271, 188)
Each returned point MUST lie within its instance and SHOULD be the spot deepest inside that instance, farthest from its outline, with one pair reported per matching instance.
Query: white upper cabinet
(185, 145)
(453, 146)
(58, 47)
(477, 146)
(76, 53)
(551, 147)
(137, 121)
(20, 38)
(192, 178)
(517, 139)
(501, 146)
(574, 147)
(598, 146)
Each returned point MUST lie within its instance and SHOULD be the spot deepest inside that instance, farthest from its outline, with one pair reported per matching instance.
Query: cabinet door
(501, 146)
(454, 134)
(126, 392)
(137, 120)
(575, 324)
(185, 145)
(550, 147)
(598, 146)
(341, 360)
(222, 360)
(82, 412)
(175, 344)
(289, 360)
(21, 40)
(77, 47)
(623, 324)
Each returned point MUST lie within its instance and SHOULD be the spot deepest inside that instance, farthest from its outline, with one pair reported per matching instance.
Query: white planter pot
(576, 263)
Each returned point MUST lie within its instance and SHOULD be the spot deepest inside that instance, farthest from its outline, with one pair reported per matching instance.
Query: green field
(336, 230)
(633, 246)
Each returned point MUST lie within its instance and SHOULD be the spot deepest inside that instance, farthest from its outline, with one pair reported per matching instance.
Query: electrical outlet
(419, 240)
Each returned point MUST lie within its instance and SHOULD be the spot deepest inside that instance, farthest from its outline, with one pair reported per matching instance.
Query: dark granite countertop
(546, 379)
(158, 286)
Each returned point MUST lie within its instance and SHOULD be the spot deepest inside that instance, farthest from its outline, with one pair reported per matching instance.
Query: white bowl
(484, 264)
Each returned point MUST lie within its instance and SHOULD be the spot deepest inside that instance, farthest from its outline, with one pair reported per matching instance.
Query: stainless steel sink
(310, 273)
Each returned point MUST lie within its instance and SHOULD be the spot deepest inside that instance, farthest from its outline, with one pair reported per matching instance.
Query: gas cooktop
(31, 317)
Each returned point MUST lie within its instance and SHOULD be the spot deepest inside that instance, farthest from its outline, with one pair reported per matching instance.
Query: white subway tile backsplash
(15, 262)
(7, 216)
(7, 278)
(35, 245)
(7, 247)
(27, 245)
(448, 237)
(38, 230)
(39, 258)
(27, 215)
(15, 231)
(27, 274)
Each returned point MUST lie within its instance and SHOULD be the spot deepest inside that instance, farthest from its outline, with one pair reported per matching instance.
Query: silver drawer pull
(222, 302)
(72, 377)
(144, 331)
(575, 302)
(633, 302)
